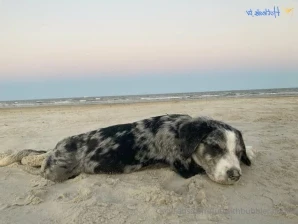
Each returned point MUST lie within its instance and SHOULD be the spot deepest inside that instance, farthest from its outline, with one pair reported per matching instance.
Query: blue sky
(92, 48)
(108, 86)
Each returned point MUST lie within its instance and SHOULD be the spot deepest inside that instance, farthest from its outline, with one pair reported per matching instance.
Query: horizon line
(150, 94)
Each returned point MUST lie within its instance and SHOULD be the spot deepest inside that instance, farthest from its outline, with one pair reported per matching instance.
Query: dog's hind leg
(17, 157)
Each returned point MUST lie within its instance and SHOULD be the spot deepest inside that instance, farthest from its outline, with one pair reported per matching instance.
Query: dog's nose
(234, 174)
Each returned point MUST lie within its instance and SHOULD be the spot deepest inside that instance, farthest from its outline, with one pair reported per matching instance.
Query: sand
(267, 192)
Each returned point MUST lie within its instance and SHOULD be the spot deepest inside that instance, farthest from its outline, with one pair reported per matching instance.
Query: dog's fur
(189, 145)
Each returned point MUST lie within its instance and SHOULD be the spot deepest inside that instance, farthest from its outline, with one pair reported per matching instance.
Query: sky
(73, 48)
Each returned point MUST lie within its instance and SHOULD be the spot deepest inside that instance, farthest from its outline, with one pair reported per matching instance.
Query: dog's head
(215, 146)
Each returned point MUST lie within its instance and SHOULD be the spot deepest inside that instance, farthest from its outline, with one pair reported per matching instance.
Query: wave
(208, 95)
(62, 102)
(162, 98)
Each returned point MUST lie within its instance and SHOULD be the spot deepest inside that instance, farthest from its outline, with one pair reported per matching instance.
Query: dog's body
(189, 145)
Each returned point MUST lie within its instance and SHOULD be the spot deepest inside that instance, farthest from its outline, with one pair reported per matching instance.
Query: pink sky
(102, 38)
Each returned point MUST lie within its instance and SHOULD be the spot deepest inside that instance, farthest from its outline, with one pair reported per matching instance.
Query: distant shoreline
(218, 98)
(270, 90)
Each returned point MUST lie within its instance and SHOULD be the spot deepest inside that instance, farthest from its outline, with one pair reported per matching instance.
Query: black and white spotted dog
(188, 145)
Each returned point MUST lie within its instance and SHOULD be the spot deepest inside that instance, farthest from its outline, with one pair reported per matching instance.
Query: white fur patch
(231, 141)
(195, 158)
(220, 172)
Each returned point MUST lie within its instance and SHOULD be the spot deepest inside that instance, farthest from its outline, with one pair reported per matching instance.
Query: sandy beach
(267, 192)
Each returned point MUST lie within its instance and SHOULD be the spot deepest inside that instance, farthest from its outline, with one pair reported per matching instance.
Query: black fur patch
(71, 145)
(115, 160)
(153, 124)
(91, 145)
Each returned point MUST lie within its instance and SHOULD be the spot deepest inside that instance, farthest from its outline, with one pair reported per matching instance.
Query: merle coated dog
(188, 145)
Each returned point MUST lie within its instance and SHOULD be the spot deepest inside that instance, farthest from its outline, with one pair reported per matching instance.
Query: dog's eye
(217, 150)
(215, 146)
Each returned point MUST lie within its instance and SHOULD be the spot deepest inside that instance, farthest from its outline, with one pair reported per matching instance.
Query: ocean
(149, 98)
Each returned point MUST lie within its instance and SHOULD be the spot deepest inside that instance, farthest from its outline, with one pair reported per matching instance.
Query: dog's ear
(244, 157)
(191, 134)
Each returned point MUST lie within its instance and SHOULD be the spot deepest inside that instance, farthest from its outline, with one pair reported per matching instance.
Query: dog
(190, 146)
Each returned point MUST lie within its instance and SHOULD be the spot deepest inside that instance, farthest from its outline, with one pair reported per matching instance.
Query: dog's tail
(19, 156)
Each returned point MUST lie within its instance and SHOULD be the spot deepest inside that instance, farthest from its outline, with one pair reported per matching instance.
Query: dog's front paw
(251, 152)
